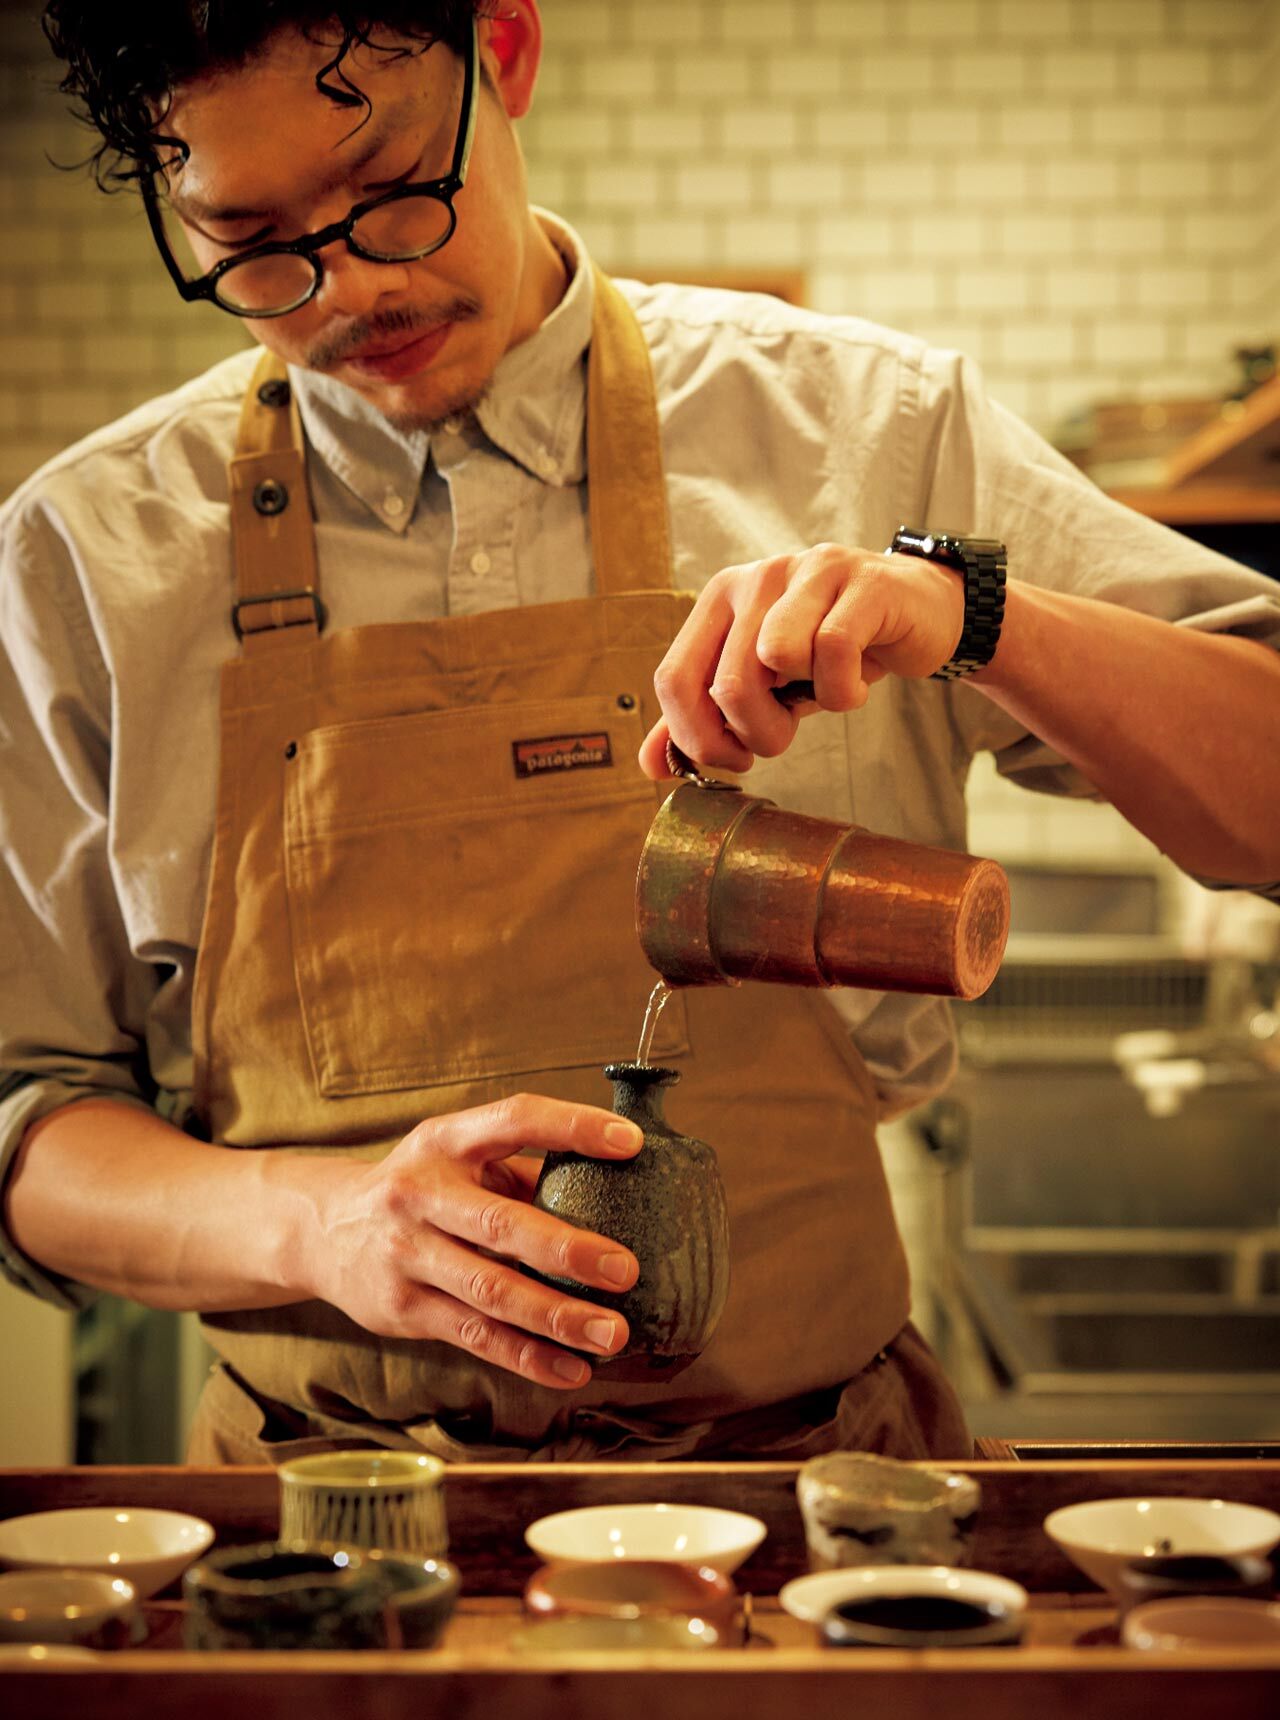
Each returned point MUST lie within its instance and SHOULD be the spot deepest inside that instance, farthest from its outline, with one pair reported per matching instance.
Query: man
(314, 962)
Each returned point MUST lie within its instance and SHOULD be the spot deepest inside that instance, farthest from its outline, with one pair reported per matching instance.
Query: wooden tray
(1070, 1662)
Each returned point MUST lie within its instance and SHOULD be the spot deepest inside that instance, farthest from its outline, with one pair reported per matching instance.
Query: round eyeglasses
(400, 226)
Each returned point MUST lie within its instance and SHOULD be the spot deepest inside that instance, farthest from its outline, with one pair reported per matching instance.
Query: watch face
(932, 546)
(942, 546)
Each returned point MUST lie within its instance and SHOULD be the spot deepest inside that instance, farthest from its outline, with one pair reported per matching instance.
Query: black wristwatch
(983, 562)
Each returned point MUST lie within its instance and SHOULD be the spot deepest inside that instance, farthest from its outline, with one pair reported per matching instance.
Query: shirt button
(452, 426)
(480, 562)
(545, 462)
(392, 505)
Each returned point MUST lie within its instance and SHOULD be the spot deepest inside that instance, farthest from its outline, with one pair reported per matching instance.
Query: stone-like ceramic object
(668, 1206)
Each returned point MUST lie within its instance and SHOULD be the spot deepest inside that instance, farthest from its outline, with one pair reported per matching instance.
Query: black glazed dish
(1167, 1576)
(919, 1621)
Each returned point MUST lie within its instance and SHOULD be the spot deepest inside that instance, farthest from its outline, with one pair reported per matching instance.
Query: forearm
(114, 1197)
(424, 1244)
(1179, 729)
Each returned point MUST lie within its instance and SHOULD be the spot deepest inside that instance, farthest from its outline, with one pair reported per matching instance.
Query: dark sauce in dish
(917, 1612)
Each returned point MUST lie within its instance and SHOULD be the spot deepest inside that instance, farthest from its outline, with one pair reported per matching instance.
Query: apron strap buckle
(284, 611)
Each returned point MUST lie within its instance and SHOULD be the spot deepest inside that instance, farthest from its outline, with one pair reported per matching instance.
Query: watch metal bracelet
(983, 563)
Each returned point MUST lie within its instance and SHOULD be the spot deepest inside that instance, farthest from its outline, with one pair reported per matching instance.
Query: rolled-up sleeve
(72, 995)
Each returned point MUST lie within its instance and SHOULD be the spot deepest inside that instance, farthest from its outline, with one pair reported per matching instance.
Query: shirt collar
(534, 409)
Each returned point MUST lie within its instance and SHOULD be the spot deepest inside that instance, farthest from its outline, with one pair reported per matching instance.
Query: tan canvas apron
(400, 924)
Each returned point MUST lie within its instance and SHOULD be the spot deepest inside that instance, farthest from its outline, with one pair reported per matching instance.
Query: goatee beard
(328, 355)
(461, 405)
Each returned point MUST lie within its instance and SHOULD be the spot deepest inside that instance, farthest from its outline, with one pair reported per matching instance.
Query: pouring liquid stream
(657, 999)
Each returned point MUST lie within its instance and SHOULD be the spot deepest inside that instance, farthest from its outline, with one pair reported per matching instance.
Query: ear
(511, 49)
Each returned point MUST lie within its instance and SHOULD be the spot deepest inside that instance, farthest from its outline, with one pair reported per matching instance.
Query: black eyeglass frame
(309, 246)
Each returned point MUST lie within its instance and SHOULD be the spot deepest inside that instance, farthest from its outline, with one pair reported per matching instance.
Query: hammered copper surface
(731, 887)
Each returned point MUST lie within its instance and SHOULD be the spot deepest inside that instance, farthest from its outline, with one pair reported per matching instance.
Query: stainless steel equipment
(1116, 1224)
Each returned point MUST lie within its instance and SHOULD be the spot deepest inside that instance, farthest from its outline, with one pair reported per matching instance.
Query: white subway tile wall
(1269, 226)
(1083, 194)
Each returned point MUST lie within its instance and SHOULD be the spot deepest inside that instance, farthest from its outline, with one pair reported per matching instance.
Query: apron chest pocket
(461, 892)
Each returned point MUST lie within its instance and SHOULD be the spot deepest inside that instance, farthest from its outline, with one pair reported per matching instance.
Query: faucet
(1238, 1043)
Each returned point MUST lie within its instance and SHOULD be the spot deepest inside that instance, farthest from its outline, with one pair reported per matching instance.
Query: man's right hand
(407, 1246)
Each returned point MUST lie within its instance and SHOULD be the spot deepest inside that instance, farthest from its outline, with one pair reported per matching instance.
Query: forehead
(268, 121)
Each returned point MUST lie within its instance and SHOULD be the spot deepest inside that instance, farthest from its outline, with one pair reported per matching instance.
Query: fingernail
(623, 1135)
(571, 1369)
(615, 1267)
(601, 1333)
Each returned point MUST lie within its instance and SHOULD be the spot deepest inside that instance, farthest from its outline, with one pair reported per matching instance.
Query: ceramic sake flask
(667, 1205)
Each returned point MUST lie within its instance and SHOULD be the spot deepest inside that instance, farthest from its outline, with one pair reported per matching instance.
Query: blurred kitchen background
(1084, 195)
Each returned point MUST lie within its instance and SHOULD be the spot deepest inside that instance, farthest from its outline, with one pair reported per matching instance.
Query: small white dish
(86, 1607)
(811, 1598)
(1165, 1627)
(687, 1534)
(147, 1548)
(1102, 1535)
(43, 1653)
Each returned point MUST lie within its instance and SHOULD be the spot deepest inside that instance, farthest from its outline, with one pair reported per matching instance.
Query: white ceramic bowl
(86, 1607)
(811, 1598)
(689, 1534)
(147, 1548)
(1102, 1535)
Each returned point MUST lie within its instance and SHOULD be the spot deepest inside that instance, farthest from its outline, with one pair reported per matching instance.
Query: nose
(351, 285)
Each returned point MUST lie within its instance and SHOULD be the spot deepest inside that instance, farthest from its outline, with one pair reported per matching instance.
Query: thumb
(653, 752)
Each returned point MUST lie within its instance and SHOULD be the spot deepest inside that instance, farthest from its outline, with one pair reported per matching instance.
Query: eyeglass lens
(399, 231)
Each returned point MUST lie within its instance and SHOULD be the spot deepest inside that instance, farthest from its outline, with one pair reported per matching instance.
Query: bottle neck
(638, 1091)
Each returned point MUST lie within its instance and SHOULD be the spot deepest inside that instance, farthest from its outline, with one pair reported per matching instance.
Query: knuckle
(835, 645)
(475, 1333)
(399, 1194)
(505, 1114)
(729, 684)
(524, 1358)
(563, 1252)
(485, 1287)
(517, 1113)
(403, 1303)
(666, 681)
(495, 1222)
(562, 1324)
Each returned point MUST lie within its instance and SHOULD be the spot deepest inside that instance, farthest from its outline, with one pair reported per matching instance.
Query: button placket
(484, 493)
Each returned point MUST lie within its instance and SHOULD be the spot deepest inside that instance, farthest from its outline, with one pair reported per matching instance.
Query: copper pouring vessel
(732, 887)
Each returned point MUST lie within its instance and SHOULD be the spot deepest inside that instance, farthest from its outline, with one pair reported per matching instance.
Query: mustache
(374, 330)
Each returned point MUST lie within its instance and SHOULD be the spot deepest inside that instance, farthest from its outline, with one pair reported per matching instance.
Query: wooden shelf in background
(1205, 504)
(1242, 445)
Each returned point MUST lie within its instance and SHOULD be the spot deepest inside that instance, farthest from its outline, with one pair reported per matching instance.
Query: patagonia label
(561, 752)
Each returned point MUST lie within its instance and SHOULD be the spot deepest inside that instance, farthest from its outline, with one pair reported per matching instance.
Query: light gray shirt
(780, 429)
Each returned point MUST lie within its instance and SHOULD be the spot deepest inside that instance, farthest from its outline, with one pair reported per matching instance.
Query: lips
(407, 358)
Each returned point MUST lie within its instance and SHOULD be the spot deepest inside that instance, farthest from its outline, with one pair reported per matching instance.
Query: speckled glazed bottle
(667, 1205)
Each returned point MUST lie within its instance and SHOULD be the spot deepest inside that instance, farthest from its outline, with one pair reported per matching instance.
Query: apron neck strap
(630, 538)
(272, 537)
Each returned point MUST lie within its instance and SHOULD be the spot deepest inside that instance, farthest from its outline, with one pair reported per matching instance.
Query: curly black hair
(125, 61)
